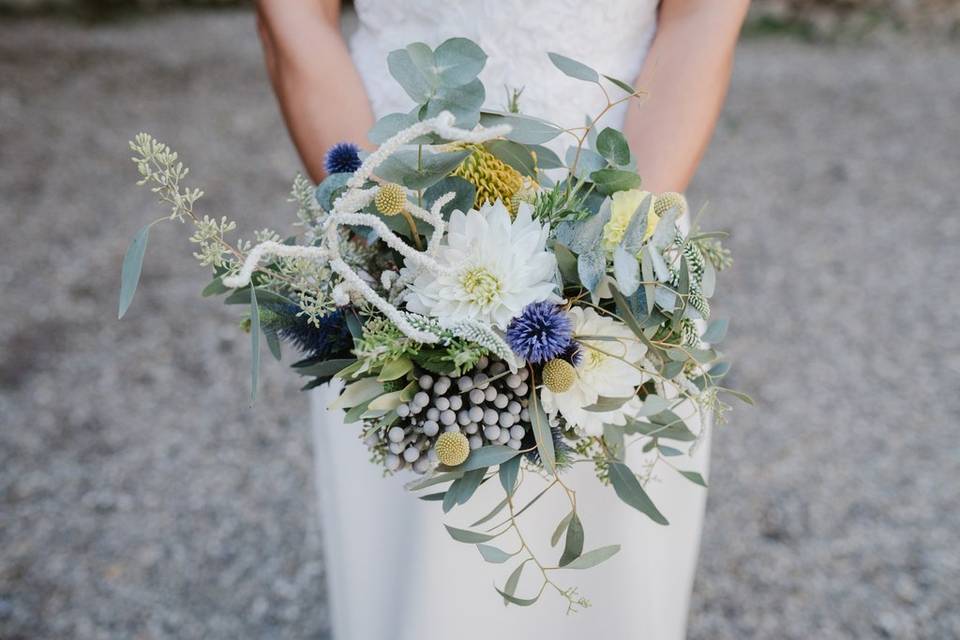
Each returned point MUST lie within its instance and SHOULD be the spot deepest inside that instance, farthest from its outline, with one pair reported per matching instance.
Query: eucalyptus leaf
(520, 602)
(130, 271)
(509, 471)
(623, 309)
(523, 129)
(613, 146)
(561, 528)
(465, 192)
(463, 488)
(546, 158)
(415, 81)
(389, 126)
(468, 537)
(585, 162)
(254, 344)
(669, 451)
(566, 263)
(439, 478)
(497, 509)
(463, 102)
(622, 85)
(514, 154)
(630, 491)
(458, 61)
(574, 69)
(573, 546)
(719, 370)
(742, 397)
(493, 554)
(716, 331)
(652, 404)
(670, 429)
(610, 181)
(510, 587)
(215, 288)
(604, 404)
(488, 456)
(273, 344)
(694, 477)
(594, 557)
(541, 432)
(324, 368)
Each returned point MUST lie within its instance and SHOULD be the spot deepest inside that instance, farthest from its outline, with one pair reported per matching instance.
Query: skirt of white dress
(395, 574)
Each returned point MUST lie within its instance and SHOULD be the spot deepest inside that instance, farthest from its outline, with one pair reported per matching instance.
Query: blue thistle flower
(561, 450)
(332, 337)
(573, 354)
(540, 333)
(342, 158)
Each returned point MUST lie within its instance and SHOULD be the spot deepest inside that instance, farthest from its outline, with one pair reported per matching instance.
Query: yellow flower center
(594, 358)
(481, 286)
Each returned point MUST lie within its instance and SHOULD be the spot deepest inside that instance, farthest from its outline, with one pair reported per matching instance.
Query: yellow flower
(622, 208)
(493, 178)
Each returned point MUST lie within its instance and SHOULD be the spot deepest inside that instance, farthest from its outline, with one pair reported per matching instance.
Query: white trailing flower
(490, 268)
(605, 369)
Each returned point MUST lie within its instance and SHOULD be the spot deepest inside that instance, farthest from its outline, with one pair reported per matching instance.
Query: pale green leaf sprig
(208, 235)
(309, 212)
(158, 165)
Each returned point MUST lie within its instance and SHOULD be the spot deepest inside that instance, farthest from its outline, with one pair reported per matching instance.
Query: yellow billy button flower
(452, 448)
(559, 375)
(669, 200)
(391, 199)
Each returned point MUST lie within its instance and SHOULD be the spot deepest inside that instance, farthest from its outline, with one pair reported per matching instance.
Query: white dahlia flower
(599, 374)
(491, 268)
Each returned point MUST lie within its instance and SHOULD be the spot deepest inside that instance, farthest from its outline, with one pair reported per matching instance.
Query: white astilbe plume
(345, 212)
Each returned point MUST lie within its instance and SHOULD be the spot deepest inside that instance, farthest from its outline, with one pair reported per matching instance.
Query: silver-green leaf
(130, 272)
(468, 537)
(593, 557)
(254, 344)
(541, 432)
(629, 490)
(574, 69)
(493, 554)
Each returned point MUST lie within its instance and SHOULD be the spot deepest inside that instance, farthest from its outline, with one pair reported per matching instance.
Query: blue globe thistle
(540, 333)
(561, 450)
(342, 158)
(331, 338)
(573, 354)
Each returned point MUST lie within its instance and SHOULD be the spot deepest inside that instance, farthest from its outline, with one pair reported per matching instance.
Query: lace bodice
(612, 36)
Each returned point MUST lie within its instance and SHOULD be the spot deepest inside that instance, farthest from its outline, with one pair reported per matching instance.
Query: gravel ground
(141, 498)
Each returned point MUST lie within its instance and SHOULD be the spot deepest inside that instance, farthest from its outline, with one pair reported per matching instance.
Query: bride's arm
(686, 74)
(320, 93)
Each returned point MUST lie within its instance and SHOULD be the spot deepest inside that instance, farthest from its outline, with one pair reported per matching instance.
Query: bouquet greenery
(493, 309)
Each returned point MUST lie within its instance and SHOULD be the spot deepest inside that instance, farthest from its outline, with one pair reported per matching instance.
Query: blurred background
(141, 498)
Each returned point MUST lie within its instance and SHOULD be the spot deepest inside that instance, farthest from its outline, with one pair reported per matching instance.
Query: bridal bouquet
(494, 310)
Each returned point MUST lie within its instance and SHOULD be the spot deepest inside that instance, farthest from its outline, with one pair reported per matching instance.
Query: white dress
(393, 572)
